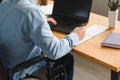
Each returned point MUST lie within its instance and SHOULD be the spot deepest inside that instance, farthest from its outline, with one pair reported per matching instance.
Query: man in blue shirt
(25, 32)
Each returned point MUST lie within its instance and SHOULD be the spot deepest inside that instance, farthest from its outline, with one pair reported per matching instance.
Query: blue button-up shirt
(23, 26)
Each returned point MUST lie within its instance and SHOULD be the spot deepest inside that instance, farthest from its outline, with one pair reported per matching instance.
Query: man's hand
(52, 21)
(80, 31)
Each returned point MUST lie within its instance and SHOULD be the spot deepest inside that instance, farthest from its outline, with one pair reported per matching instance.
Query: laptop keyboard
(64, 28)
(65, 24)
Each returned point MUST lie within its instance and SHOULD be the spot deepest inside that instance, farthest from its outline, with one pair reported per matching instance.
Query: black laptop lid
(78, 9)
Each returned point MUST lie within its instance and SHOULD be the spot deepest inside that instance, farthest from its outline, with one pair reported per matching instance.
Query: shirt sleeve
(41, 34)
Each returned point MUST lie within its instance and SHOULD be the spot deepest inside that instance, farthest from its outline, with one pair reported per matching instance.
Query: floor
(88, 70)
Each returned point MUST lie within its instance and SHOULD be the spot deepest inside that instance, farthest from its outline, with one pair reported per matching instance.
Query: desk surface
(92, 49)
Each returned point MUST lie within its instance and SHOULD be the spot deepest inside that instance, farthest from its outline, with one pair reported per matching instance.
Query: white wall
(101, 7)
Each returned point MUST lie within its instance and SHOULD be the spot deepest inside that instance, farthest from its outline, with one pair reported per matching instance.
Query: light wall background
(101, 7)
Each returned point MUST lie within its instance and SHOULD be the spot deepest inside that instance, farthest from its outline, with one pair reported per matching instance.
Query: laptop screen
(79, 9)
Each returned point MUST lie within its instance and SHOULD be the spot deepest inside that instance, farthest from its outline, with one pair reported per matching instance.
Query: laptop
(70, 14)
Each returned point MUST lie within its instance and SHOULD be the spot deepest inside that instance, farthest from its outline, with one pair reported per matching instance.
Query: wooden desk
(91, 49)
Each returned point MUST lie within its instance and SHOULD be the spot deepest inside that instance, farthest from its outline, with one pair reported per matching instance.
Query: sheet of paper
(93, 31)
(47, 9)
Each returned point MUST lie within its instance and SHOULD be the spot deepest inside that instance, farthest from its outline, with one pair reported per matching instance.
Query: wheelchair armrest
(29, 63)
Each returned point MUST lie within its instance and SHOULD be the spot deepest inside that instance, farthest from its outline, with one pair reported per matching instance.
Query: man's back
(12, 32)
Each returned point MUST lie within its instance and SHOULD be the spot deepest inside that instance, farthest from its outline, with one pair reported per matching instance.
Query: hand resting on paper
(80, 31)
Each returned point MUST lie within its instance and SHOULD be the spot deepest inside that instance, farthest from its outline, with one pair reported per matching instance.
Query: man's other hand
(52, 21)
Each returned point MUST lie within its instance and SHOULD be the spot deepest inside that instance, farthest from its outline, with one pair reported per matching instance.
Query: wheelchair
(52, 73)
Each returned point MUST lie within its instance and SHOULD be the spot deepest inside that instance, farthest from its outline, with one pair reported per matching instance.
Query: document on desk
(93, 31)
(47, 9)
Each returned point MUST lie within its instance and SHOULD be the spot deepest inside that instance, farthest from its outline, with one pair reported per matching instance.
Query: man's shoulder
(29, 8)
